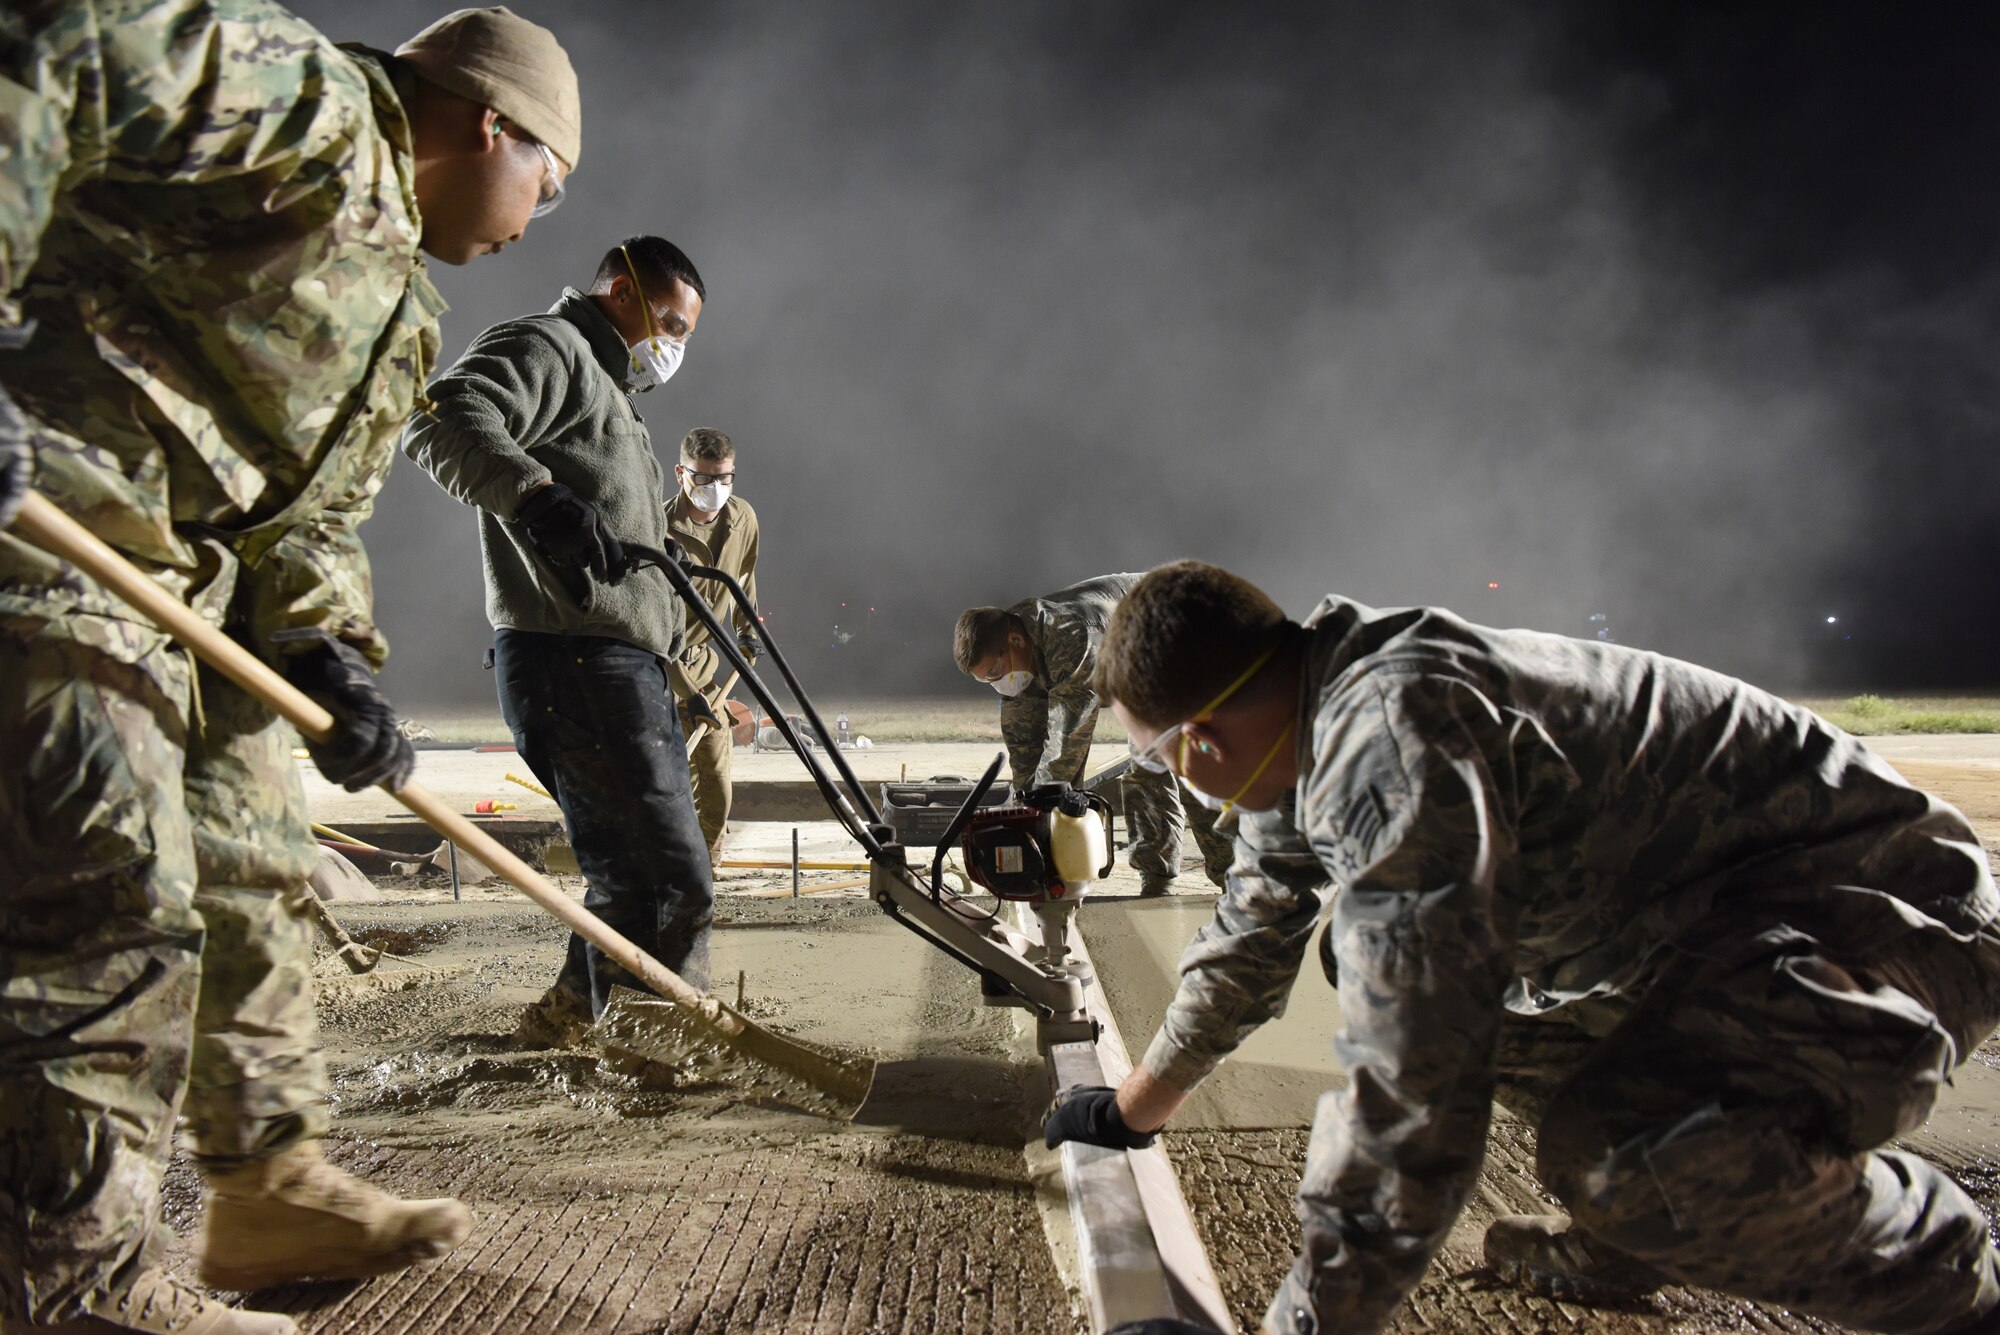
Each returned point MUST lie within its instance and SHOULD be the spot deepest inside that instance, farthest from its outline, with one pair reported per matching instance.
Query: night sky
(1682, 315)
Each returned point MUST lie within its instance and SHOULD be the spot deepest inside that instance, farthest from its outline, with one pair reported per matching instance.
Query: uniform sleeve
(748, 579)
(1071, 658)
(317, 574)
(1401, 793)
(171, 93)
(1024, 724)
(128, 90)
(48, 130)
(1239, 968)
(501, 393)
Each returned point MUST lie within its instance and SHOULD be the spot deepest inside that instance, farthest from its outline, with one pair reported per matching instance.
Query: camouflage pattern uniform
(728, 543)
(1048, 727)
(1715, 947)
(208, 210)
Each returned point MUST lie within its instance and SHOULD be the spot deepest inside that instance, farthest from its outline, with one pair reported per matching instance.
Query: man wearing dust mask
(717, 529)
(536, 426)
(1039, 655)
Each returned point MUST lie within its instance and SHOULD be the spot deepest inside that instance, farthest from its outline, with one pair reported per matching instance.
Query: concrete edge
(1130, 1243)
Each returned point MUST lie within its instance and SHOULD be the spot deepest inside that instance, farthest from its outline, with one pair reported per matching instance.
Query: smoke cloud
(1410, 303)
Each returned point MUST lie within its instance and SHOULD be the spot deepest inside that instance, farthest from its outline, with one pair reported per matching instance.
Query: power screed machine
(1044, 850)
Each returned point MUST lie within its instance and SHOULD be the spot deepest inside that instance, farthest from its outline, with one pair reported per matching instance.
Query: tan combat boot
(298, 1217)
(1548, 1255)
(158, 1304)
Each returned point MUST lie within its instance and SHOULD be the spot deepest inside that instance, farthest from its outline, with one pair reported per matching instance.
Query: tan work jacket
(729, 544)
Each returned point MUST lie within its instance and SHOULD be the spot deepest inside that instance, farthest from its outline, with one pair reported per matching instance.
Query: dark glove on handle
(747, 644)
(570, 530)
(699, 710)
(1090, 1116)
(366, 747)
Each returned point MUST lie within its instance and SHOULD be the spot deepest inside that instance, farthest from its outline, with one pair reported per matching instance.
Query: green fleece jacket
(542, 399)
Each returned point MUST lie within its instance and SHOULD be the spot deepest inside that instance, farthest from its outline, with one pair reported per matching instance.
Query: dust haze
(1356, 298)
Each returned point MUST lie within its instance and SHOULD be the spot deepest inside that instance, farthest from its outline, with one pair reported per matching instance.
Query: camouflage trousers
(1157, 811)
(1728, 1130)
(1154, 810)
(709, 762)
(154, 956)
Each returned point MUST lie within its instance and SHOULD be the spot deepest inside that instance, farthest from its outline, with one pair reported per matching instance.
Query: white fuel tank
(1079, 846)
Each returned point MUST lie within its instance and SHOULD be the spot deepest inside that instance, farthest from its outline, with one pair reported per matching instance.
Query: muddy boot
(298, 1217)
(1546, 1254)
(158, 1303)
(560, 1019)
(1153, 887)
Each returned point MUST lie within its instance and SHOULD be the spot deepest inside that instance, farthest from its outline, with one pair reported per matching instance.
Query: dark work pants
(596, 722)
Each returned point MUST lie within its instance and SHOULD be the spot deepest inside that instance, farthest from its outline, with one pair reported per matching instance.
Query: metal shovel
(832, 1084)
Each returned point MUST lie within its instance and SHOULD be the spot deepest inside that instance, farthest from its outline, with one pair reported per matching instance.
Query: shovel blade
(714, 1042)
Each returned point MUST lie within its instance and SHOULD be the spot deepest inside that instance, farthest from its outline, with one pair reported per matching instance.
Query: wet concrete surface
(630, 1202)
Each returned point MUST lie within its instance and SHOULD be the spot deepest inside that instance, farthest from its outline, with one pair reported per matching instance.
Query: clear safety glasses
(552, 188)
(1153, 755)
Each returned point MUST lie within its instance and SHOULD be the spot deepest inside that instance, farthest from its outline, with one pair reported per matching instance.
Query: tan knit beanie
(500, 60)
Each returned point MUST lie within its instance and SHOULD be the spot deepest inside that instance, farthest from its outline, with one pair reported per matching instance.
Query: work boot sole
(269, 1274)
(1567, 1288)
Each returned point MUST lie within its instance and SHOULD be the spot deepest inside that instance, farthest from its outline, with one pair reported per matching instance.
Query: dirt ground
(613, 1203)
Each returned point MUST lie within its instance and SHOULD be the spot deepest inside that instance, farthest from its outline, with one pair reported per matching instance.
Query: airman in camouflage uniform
(210, 217)
(1045, 650)
(1718, 950)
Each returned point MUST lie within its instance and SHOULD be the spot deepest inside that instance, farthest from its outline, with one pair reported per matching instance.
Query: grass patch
(948, 718)
(1880, 715)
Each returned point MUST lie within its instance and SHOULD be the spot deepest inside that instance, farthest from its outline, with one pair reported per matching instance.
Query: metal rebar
(795, 862)
(453, 846)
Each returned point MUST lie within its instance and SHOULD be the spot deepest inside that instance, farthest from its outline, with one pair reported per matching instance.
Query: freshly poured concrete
(1276, 1077)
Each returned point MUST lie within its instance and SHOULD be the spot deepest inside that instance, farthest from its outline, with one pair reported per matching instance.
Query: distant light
(1492, 583)
(1831, 620)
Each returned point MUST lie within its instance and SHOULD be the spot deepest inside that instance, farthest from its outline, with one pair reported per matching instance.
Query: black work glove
(17, 460)
(571, 531)
(748, 644)
(1090, 1116)
(1161, 1325)
(698, 709)
(366, 748)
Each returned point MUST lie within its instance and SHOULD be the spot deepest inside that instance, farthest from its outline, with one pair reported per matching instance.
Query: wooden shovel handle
(48, 527)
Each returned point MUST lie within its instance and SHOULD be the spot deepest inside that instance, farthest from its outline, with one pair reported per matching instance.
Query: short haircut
(659, 262)
(706, 444)
(1180, 637)
(980, 633)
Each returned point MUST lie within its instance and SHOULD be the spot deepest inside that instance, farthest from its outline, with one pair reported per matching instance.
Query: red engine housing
(1006, 850)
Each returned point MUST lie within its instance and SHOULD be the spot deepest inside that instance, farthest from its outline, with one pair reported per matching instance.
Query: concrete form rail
(1137, 1252)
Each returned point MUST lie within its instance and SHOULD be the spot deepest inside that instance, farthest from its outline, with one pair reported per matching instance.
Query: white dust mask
(655, 358)
(1012, 684)
(708, 498)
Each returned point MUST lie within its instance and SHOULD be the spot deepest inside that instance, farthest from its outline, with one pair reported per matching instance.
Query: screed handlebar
(48, 527)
